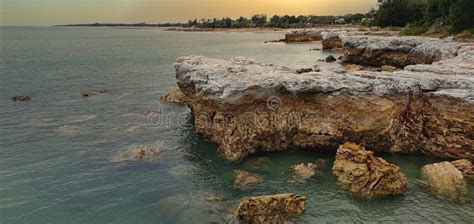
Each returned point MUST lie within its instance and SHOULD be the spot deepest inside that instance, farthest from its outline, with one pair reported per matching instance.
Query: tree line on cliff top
(457, 15)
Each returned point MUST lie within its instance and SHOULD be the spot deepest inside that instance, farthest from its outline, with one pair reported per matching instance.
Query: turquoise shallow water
(62, 156)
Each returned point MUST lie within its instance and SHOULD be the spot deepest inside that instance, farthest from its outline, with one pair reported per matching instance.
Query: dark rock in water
(21, 98)
(270, 208)
(88, 94)
(321, 60)
(103, 91)
(275, 41)
(315, 49)
(340, 58)
(304, 70)
(331, 58)
(316, 68)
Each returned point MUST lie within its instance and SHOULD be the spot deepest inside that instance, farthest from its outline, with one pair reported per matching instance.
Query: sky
(50, 12)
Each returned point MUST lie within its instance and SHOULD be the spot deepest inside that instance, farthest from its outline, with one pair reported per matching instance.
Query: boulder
(445, 180)
(359, 171)
(466, 168)
(245, 179)
(331, 58)
(21, 98)
(175, 96)
(270, 208)
(304, 70)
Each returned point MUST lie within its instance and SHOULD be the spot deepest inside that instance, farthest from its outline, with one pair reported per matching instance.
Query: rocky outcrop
(175, 96)
(396, 51)
(246, 107)
(446, 180)
(359, 171)
(270, 209)
(303, 35)
(466, 168)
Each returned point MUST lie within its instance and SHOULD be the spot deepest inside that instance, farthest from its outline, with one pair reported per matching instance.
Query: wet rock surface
(445, 180)
(270, 209)
(360, 172)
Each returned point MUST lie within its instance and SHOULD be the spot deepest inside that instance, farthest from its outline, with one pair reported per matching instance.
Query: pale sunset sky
(49, 12)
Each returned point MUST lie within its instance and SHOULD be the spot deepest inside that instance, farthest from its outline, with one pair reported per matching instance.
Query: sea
(65, 158)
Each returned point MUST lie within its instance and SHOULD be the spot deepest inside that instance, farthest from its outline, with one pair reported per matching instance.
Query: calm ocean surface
(63, 157)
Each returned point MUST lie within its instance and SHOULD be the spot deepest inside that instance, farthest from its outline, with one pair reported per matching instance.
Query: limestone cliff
(245, 106)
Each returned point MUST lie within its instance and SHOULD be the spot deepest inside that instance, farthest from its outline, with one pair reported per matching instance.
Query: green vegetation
(276, 21)
(427, 16)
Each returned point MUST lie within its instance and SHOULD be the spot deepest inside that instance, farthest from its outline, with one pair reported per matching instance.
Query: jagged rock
(271, 208)
(304, 170)
(466, 168)
(331, 58)
(245, 106)
(21, 98)
(245, 179)
(359, 171)
(446, 180)
(175, 96)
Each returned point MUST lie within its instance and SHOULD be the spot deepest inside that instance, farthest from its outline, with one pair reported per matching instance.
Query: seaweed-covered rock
(359, 171)
(270, 208)
(21, 98)
(446, 180)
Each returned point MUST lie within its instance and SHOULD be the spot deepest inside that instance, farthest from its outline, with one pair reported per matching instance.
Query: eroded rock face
(245, 107)
(359, 171)
(175, 96)
(446, 180)
(466, 168)
(271, 208)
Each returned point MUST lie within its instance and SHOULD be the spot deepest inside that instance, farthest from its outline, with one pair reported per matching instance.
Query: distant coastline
(122, 25)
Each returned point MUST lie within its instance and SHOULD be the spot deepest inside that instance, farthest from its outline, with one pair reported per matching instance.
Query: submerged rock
(245, 179)
(21, 98)
(466, 168)
(140, 152)
(257, 164)
(175, 96)
(446, 180)
(88, 94)
(331, 58)
(304, 171)
(359, 171)
(270, 209)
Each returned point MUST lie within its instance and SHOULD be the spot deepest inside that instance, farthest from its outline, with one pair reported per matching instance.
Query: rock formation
(245, 106)
(359, 171)
(270, 209)
(245, 179)
(175, 96)
(446, 180)
(466, 168)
